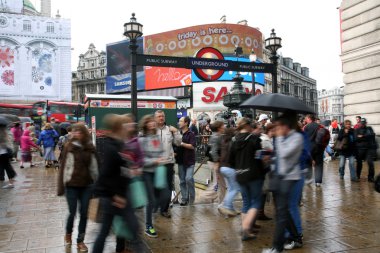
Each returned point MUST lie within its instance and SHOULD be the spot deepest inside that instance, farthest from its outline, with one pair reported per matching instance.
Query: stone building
(360, 42)
(330, 104)
(293, 80)
(35, 53)
(91, 73)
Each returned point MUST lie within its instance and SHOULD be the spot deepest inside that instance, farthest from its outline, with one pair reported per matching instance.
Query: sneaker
(21, 167)
(8, 186)
(318, 184)
(67, 239)
(371, 180)
(355, 180)
(272, 250)
(151, 232)
(341, 177)
(82, 247)
(293, 245)
(226, 211)
(263, 217)
(166, 214)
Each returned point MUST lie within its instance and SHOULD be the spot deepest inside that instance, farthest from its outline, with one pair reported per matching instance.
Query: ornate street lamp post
(273, 43)
(237, 94)
(133, 30)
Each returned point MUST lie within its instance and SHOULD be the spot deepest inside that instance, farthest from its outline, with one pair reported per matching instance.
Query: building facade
(360, 42)
(330, 104)
(91, 73)
(35, 53)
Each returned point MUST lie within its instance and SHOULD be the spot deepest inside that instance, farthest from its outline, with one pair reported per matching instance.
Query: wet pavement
(341, 216)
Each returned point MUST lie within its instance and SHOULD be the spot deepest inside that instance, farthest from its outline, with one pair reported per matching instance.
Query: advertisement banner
(122, 83)
(119, 67)
(187, 41)
(161, 78)
(209, 96)
(229, 75)
(43, 83)
(7, 71)
(127, 104)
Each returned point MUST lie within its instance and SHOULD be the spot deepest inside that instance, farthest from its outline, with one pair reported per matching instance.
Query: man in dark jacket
(366, 149)
(346, 149)
(311, 129)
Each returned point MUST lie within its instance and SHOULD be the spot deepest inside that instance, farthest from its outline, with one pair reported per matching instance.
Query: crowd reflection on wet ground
(340, 216)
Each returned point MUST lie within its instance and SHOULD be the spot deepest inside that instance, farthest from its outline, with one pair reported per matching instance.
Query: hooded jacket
(243, 152)
(26, 142)
(79, 166)
(111, 180)
(17, 133)
(47, 137)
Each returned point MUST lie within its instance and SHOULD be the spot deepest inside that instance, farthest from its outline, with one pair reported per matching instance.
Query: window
(27, 26)
(83, 76)
(92, 74)
(92, 63)
(102, 72)
(101, 88)
(50, 27)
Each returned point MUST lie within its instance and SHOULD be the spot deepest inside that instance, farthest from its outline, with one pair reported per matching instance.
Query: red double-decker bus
(61, 111)
(20, 110)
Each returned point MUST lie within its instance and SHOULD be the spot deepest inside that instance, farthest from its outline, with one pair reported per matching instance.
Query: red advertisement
(161, 78)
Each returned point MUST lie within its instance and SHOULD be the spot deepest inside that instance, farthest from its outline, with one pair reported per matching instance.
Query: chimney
(46, 8)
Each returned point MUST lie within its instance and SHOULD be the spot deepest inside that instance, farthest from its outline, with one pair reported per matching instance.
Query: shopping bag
(120, 228)
(94, 210)
(138, 193)
(160, 177)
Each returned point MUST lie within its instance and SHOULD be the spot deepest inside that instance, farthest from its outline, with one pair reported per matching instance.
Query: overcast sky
(309, 29)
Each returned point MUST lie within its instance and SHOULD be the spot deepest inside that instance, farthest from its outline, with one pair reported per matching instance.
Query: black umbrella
(64, 125)
(276, 102)
(11, 118)
(3, 121)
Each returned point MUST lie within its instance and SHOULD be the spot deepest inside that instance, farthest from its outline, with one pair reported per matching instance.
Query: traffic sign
(40, 111)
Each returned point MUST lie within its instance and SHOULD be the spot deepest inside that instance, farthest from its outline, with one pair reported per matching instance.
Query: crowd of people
(255, 158)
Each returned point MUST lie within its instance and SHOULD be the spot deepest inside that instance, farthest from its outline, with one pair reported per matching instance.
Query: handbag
(274, 181)
(120, 228)
(94, 210)
(138, 193)
(160, 177)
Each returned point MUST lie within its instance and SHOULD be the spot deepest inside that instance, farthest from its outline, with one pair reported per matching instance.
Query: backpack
(322, 137)
(335, 130)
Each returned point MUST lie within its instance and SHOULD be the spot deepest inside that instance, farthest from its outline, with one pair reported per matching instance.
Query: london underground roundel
(209, 75)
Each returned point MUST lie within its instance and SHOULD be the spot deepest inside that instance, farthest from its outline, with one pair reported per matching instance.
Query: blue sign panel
(119, 67)
(229, 75)
(122, 83)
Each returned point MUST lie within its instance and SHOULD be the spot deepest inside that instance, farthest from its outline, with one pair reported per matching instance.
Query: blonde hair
(242, 122)
(48, 126)
(114, 122)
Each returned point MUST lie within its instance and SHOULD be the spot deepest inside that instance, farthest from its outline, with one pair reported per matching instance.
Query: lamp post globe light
(237, 94)
(273, 43)
(133, 30)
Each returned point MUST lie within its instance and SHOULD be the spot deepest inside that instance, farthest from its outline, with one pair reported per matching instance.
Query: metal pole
(133, 46)
(274, 59)
(254, 92)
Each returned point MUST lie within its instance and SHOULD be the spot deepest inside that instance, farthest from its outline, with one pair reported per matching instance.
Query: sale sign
(209, 96)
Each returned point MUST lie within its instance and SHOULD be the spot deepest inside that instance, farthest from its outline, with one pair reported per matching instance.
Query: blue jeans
(232, 187)
(294, 201)
(342, 165)
(284, 219)
(251, 194)
(73, 195)
(186, 183)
